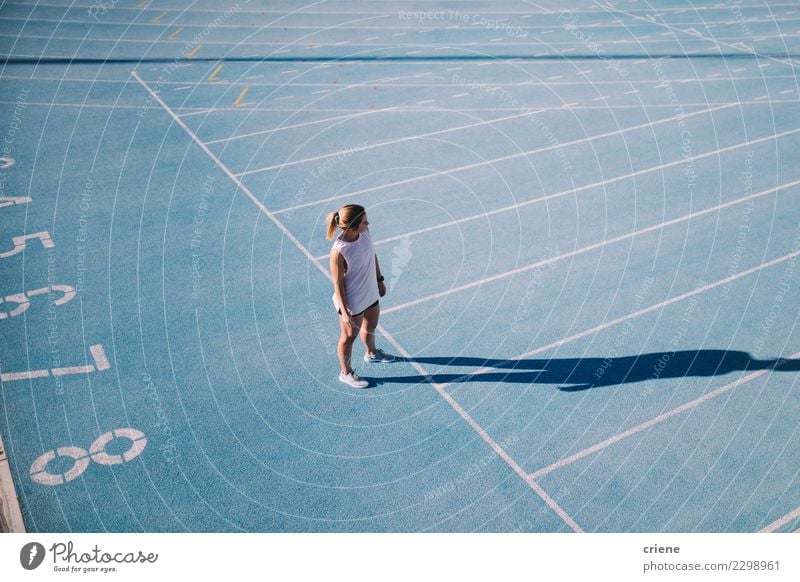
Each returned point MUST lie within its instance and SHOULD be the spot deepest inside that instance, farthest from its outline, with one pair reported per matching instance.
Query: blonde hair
(349, 216)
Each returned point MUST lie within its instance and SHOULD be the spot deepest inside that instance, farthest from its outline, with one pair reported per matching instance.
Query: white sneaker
(353, 379)
(378, 357)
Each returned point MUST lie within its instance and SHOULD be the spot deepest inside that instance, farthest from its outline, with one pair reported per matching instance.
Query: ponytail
(350, 216)
(332, 222)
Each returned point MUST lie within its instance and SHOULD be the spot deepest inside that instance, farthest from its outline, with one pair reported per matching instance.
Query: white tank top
(361, 279)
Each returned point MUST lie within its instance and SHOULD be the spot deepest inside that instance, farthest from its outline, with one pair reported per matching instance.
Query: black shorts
(339, 311)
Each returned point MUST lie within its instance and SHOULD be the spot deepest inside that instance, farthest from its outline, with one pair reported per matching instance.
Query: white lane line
(718, 42)
(506, 158)
(296, 125)
(197, 112)
(225, 169)
(100, 359)
(582, 188)
(459, 95)
(483, 434)
(387, 142)
(782, 521)
(522, 13)
(655, 307)
(409, 109)
(72, 370)
(449, 399)
(583, 250)
(11, 376)
(652, 422)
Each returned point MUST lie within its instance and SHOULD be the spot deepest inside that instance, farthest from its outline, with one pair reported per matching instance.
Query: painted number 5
(19, 243)
(80, 457)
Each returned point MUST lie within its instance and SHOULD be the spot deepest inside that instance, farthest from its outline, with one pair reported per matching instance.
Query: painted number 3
(80, 457)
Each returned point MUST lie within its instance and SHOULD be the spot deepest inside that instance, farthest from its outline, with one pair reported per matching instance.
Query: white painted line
(459, 95)
(183, 88)
(657, 306)
(585, 187)
(387, 142)
(100, 359)
(506, 158)
(717, 41)
(426, 101)
(583, 250)
(406, 109)
(197, 112)
(787, 91)
(652, 422)
(631, 92)
(601, 98)
(289, 72)
(227, 172)
(523, 14)
(11, 376)
(321, 91)
(449, 399)
(72, 370)
(305, 124)
(777, 524)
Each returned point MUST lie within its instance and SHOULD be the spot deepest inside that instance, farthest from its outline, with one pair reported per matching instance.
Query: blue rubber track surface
(586, 213)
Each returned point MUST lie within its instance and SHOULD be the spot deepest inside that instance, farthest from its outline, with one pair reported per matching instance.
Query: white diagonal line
(505, 158)
(385, 143)
(652, 422)
(449, 399)
(782, 521)
(580, 188)
(588, 248)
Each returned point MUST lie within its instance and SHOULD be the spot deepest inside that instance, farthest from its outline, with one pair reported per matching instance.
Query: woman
(357, 287)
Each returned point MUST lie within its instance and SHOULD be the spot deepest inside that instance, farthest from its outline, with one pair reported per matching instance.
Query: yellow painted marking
(194, 52)
(141, 5)
(238, 102)
(213, 76)
(159, 17)
(174, 34)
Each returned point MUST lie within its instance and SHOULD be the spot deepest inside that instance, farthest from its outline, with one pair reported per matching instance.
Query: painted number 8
(97, 453)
